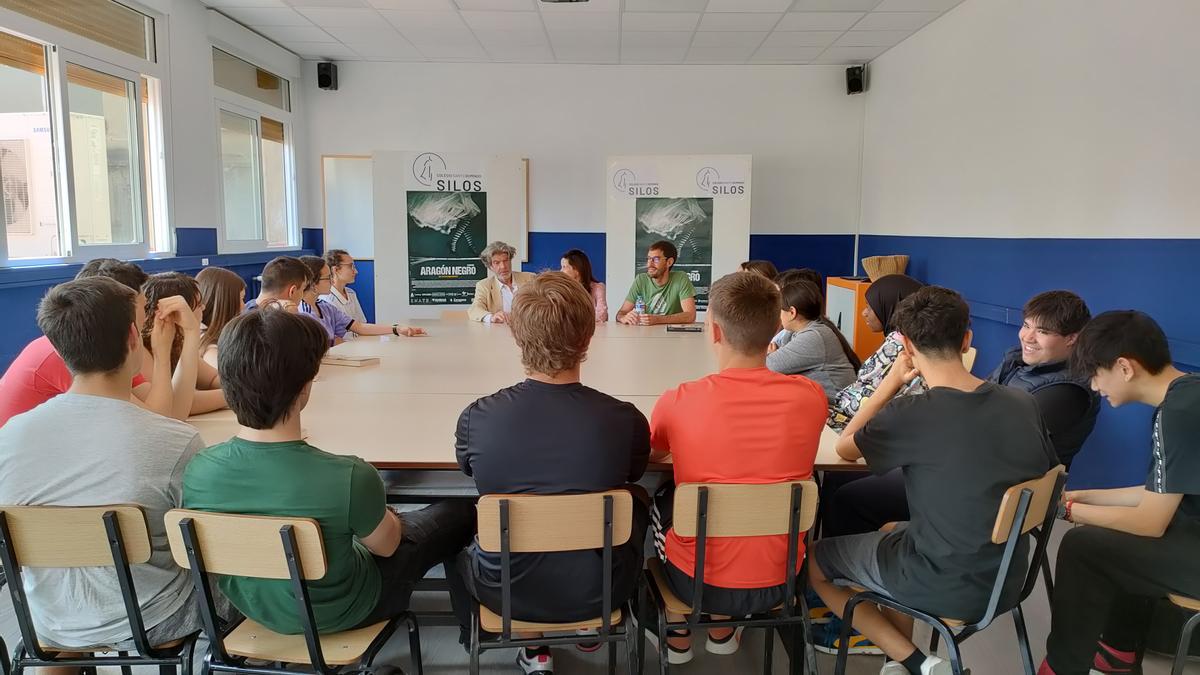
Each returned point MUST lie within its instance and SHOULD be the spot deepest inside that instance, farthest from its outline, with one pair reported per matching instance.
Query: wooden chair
(265, 547)
(968, 357)
(1027, 509)
(549, 524)
(704, 510)
(1185, 636)
(82, 536)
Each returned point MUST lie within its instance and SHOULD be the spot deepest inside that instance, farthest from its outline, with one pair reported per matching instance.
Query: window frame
(63, 46)
(240, 104)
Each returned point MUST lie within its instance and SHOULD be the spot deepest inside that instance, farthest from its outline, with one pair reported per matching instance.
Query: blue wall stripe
(195, 241)
(829, 254)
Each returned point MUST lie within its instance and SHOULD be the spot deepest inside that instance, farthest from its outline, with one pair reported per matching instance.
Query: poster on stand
(446, 233)
(686, 222)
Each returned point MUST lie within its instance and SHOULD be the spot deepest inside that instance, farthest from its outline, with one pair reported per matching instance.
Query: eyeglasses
(350, 265)
(654, 259)
(320, 279)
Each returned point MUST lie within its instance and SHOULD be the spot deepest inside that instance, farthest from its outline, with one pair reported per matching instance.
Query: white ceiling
(597, 31)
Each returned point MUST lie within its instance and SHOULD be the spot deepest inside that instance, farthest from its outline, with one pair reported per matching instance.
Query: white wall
(1028, 118)
(797, 121)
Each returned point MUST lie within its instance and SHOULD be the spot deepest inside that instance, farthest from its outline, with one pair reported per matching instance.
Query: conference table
(400, 414)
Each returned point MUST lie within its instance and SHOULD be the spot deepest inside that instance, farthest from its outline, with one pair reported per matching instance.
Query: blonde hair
(553, 321)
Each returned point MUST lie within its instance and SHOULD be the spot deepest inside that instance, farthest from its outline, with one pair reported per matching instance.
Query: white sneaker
(935, 665)
(675, 656)
(539, 661)
(727, 646)
(893, 668)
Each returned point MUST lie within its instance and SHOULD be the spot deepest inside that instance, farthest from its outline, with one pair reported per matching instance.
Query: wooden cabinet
(845, 299)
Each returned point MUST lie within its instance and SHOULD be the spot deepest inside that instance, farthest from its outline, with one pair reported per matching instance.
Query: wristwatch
(395, 331)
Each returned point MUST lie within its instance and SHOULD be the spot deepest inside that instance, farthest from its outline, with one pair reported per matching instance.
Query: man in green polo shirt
(666, 296)
(268, 361)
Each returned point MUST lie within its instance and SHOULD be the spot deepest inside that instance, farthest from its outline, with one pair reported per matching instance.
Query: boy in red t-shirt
(745, 424)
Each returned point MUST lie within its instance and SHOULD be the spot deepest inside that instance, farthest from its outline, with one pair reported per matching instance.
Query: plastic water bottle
(639, 307)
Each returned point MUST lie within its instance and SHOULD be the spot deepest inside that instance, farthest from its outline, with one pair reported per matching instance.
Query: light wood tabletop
(402, 412)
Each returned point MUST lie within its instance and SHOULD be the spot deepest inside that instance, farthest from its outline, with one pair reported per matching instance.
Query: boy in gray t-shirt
(91, 446)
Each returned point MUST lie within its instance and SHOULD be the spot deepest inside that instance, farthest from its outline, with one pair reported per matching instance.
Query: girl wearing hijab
(883, 297)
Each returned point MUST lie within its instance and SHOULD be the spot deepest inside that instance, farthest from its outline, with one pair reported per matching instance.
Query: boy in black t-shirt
(1138, 543)
(960, 445)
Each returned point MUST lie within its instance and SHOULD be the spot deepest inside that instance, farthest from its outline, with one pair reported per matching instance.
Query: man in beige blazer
(494, 295)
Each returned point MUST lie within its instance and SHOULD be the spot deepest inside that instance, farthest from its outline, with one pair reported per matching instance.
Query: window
(257, 171)
(82, 163)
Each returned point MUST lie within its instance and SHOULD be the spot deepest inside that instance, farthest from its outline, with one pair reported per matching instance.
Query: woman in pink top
(576, 265)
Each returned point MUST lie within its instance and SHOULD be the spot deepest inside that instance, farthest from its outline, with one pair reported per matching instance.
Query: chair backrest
(246, 545)
(548, 523)
(74, 536)
(743, 510)
(454, 315)
(968, 357)
(1042, 490)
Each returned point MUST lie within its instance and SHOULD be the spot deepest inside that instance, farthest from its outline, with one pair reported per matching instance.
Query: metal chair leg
(473, 667)
(839, 667)
(1185, 641)
(612, 658)
(1023, 640)
(768, 649)
(796, 660)
(125, 670)
(1048, 577)
(952, 649)
(934, 639)
(663, 664)
(414, 645)
(167, 670)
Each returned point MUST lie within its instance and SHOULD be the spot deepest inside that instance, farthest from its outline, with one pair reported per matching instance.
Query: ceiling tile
(583, 38)
(329, 17)
(503, 20)
(267, 16)
(414, 5)
(334, 51)
(659, 20)
(429, 37)
(916, 5)
(767, 54)
(728, 39)
(656, 39)
(738, 21)
(422, 20)
(818, 20)
(608, 21)
(582, 54)
(748, 5)
(652, 54)
(806, 39)
(850, 55)
(521, 54)
(222, 4)
(295, 33)
(443, 50)
(580, 7)
(665, 5)
(833, 5)
(895, 20)
(328, 3)
(523, 37)
(498, 5)
(872, 38)
(719, 54)
(378, 41)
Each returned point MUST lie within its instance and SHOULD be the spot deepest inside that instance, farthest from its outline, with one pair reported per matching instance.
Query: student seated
(665, 296)
(208, 396)
(764, 267)
(960, 446)
(575, 264)
(883, 296)
(267, 361)
(336, 323)
(745, 424)
(811, 346)
(343, 272)
(91, 446)
(1139, 543)
(284, 281)
(39, 373)
(222, 294)
(1051, 325)
(552, 435)
(494, 295)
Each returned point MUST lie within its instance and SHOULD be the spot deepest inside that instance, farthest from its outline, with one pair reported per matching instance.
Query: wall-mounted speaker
(855, 79)
(327, 75)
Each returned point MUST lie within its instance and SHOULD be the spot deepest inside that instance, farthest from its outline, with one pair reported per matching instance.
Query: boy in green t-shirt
(667, 297)
(267, 363)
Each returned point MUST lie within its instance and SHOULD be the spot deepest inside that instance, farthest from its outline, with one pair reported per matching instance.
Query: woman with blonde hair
(222, 294)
